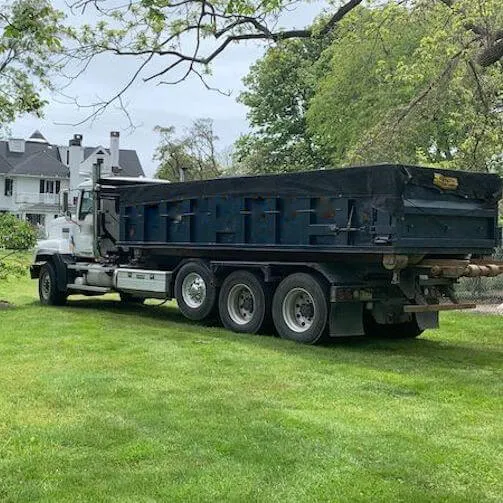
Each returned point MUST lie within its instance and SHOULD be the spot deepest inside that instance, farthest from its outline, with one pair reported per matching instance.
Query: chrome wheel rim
(241, 304)
(193, 290)
(45, 285)
(298, 310)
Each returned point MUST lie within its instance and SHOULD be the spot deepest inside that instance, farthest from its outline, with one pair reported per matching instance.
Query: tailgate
(450, 210)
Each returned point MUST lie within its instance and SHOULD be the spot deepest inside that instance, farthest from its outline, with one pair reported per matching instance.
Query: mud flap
(346, 319)
(427, 321)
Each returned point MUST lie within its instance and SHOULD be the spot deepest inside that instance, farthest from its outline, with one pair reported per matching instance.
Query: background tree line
(415, 81)
(393, 83)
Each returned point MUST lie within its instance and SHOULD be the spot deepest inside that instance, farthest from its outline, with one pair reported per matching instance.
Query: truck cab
(74, 234)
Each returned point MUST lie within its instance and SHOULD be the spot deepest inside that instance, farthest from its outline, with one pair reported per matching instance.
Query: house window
(9, 185)
(50, 186)
(35, 218)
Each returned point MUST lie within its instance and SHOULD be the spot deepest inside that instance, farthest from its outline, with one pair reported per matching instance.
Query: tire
(48, 291)
(244, 302)
(300, 308)
(196, 291)
(406, 330)
(128, 298)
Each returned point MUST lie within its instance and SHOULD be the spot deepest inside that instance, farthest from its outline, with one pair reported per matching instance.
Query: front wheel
(300, 309)
(48, 291)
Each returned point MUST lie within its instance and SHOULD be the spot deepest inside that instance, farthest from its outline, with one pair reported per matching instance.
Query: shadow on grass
(370, 352)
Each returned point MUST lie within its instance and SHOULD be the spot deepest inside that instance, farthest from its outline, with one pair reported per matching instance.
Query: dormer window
(16, 145)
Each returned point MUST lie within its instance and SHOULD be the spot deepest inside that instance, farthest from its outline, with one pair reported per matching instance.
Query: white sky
(151, 105)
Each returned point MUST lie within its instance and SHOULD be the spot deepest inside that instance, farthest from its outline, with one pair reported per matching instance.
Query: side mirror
(66, 211)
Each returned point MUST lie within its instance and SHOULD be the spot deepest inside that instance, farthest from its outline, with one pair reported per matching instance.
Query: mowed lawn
(100, 402)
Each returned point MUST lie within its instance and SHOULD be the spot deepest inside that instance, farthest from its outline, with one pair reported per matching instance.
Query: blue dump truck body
(369, 250)
(361, 210)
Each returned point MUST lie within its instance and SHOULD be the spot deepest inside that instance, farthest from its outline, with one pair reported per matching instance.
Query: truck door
(84, 236)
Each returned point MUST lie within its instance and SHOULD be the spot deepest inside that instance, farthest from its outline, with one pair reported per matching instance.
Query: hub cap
(193, 290)
(240, 304)
(45, 285)
(298, 310)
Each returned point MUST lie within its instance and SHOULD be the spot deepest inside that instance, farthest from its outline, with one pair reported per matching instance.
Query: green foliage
(279, 88)
(194, 153)
(30, 35)
(15, 236)
(14, 264)
(402, 85)
(397, 83)
(142, 27)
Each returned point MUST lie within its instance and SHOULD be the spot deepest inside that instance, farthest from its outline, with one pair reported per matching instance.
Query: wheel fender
(57, 260)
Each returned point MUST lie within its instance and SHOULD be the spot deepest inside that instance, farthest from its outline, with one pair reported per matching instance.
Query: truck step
(88, 288)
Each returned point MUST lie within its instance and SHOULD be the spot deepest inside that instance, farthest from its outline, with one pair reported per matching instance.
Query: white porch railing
(33, 198)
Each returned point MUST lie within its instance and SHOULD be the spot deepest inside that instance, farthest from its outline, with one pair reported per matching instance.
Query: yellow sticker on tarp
(445, 182)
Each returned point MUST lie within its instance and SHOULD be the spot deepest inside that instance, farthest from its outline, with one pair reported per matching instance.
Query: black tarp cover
(385, 184)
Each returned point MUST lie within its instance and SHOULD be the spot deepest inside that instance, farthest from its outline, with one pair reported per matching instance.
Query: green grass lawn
(100, 402)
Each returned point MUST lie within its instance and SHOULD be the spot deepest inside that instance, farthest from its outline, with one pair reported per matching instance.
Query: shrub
(16, 234)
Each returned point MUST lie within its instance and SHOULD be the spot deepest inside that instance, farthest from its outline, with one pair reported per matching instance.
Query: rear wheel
(243, 302)
(48, 291)
(300, 309)
(195, 291)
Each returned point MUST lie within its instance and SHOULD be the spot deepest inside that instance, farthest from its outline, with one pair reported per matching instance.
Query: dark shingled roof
(15, 158)
(41, 164)
(5, 167)
(30, 162)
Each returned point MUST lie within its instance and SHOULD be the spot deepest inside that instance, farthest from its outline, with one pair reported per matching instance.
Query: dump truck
(371, 250)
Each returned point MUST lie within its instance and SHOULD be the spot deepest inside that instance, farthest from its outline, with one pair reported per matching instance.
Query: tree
(394, 84)
(410, 91)
(30, 35)
(174, 40)
(15, 235)
(279, 88)
(193, 156)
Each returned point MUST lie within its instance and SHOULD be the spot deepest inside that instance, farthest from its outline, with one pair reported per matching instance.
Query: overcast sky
(151, 105)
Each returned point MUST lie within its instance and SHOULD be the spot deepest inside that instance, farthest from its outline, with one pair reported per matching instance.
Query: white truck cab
(73, 259)
(74, 234)
(71, 234)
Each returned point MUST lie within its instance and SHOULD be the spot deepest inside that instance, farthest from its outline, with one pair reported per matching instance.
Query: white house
(33, 172)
